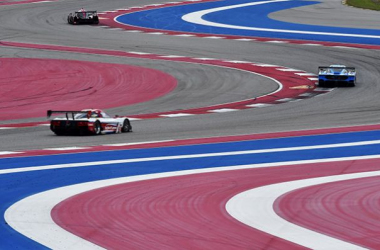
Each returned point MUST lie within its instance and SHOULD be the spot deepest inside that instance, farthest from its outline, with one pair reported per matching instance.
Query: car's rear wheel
(127, 127)
(97, 128)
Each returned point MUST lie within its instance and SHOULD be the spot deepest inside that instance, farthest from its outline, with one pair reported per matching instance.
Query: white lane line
(265, 65)
(138, 53)
(214, 37)
(236, 61)
(197, 18)
(258, 105)
(7, 127)
(172, 56)
(65, 148)
(289, 70)
(191, 156)
(305, 74)
(9, 152)
(223, 110)
(31, 216)
(184, 35)
(176, 115)
(244, 39)
(255, 208)
(311, 44)
(276, 41)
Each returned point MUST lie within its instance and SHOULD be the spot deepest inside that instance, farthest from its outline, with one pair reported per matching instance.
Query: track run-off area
(234, 145)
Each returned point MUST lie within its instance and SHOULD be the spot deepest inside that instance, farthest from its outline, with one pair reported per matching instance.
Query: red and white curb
(294, 84)
(108, 21)
(181, 142)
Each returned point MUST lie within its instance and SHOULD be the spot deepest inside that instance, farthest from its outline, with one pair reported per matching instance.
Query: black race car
(83, 17)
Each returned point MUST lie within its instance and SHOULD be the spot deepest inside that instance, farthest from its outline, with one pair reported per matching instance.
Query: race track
(185, 90)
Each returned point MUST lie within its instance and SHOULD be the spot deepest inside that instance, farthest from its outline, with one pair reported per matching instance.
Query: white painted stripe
(255, 209)
(161, 158)
(324, 89)
(9, 152)
(65, 148)
(285, 100)
(7, 128)
(258, 105)
(176, 115)
(311, 44)
(222, 110)
(313, 78)
(31, 216)
(265, 65)
(172, 56)
(305, 74)
(133, 31)
(184, 35)
(197, 18)
(237, 61)
(289, 70)
(213, 37)
(155, 33)
(153, 5)
(244, 39)
(204, 59)
(138, 53)
(275, 41)
(343, 47)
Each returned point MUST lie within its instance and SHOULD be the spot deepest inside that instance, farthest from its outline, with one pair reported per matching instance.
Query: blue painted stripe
(8, 163)
(169, 18)
(14, 187)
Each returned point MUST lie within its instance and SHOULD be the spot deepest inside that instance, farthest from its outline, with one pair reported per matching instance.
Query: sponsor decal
(110, 127)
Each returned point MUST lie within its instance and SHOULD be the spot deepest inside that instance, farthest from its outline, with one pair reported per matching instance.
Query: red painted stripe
(293, 85)
(74, 85)
(189, 211)
(197, 141)
(346, 210)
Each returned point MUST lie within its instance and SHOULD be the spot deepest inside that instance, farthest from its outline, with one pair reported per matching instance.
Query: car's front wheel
(127, 127)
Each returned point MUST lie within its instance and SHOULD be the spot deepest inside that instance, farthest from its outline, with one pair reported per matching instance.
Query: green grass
(365, 4)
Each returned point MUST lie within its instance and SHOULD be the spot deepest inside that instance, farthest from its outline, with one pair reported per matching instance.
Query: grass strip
(365, 4)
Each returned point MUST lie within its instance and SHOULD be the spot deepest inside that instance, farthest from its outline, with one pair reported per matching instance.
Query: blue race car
(336, 75)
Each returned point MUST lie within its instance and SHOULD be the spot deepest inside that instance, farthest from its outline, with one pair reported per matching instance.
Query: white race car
(88, 121)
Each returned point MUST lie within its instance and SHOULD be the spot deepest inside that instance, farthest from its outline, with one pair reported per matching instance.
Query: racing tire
(127, 127)
(97, 128)
(59, 133)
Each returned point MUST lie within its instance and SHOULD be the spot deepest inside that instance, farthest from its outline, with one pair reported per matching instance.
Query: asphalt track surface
(199, 85)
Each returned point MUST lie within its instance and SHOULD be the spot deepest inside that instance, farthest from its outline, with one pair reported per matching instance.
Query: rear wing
(328, 70)
(67, 113)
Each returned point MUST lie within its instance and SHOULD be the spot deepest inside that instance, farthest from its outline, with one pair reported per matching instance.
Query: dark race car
(83, 17)
(88, 121)
(336, 75)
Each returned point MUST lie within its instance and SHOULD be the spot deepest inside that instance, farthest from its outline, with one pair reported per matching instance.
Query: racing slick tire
(127, 127)
(97, 128)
